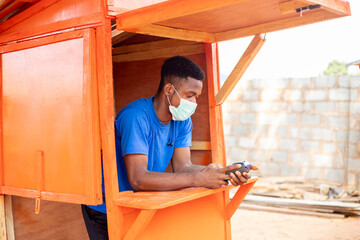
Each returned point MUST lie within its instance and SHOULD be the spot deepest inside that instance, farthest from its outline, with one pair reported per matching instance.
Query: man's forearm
(190, 168)
(156, 181)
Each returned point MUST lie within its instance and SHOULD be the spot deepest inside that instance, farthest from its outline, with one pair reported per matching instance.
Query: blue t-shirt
(139, 131)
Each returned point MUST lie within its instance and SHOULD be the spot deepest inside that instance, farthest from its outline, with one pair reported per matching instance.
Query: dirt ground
(254, 225)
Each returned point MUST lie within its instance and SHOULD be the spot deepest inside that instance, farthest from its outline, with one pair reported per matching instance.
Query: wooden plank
(120, 36)
(167, 10)
(338, 7)
(9, 218)
(106, 111)
(201, 145)
(44, 41)
(92, 166)
(290, 211)
(61, 197)
(150, 46)
(140, 223)
(334, 205)
(307, 18)
(160, 53)
(240, 68)
(2, 218)
(165, 199)
(80, 22)
(168, 32)
(215, 112)
(291, 6)
(36, 8)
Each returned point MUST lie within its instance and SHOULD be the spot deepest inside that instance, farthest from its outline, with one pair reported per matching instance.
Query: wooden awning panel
(220, 20)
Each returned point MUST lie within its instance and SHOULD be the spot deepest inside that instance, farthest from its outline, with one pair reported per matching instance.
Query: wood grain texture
(9, 218)
(294, 20)
(107, 134)
(160, 53)
(172, 32)
(2, 218)
(56, 221)
(169, 9)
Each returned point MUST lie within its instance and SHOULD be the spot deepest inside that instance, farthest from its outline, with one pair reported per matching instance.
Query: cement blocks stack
(296, 127)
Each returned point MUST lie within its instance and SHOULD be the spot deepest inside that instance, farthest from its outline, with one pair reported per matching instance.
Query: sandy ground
(253, 225)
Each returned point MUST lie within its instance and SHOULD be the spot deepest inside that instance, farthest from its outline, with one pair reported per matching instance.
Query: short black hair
(178, 69)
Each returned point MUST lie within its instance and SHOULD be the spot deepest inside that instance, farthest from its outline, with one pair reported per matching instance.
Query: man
(149, 133)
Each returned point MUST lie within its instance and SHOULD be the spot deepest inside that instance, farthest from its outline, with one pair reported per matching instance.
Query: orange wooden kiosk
(67, 67)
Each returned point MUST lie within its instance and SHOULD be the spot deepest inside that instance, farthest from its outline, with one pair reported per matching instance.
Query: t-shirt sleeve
(184, 136)
(133, 129)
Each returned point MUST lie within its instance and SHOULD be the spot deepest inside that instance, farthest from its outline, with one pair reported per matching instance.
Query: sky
(299, 52)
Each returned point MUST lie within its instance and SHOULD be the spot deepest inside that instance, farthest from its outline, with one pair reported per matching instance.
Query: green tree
(336, 68)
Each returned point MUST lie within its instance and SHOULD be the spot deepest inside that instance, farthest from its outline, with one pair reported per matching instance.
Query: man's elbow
(137, 184)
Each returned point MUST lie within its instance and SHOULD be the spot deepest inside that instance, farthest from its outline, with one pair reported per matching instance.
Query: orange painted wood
(64, 164)
(106, 110)
(160, 200)
(179, 213)
(80, 22)
(238, 198)
(93, 185)
(215, 112)
(171, 32)
(253, 14)
(141, 222)
(26, 14)
(58, 12)
(166, 10)
(240, 68)
(294, 21)
(52, 196)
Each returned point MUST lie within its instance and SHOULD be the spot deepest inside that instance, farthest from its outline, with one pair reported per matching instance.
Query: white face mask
(183, 111)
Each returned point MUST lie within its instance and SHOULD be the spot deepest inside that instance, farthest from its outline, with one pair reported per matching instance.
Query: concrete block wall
(296, 127)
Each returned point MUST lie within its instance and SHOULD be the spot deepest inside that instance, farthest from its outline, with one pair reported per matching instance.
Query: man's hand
(213, 176)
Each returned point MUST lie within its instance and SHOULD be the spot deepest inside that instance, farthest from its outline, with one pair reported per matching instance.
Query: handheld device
(245, 167)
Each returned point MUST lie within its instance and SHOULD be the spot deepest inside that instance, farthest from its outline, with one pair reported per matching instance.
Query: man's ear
(168, 89)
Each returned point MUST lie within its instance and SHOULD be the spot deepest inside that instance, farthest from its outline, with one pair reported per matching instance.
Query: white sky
(299, 52)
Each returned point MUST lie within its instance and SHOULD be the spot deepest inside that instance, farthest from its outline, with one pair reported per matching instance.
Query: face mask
(183, 111)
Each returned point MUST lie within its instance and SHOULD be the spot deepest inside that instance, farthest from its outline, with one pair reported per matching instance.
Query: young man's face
(189, 90)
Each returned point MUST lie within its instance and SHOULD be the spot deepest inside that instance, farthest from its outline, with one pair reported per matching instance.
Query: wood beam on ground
(141, 47)
(160, 53)
(177, 33)
(200, 145)
(307, 18)
(240, 68)
(167, 10)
